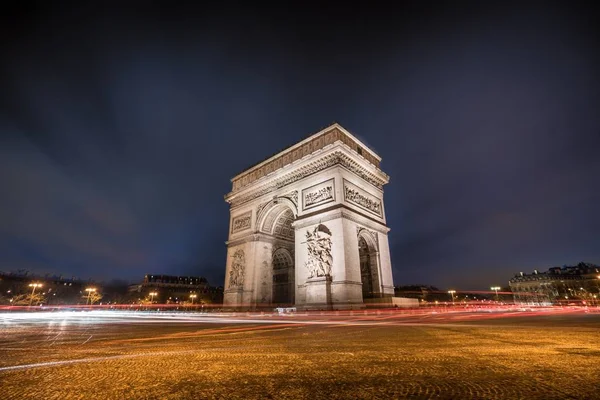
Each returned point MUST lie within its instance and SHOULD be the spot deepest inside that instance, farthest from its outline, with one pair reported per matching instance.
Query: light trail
(93, 359)
(330, 318)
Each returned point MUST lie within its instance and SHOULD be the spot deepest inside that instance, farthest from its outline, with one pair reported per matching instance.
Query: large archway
(283, 277)
(277, 221)
(369, 270)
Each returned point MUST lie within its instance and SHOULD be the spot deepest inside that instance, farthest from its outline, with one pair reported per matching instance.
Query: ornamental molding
(263, 208)
(257, 237)
(372, 234)
(346, 283)
(293, 196)
(335, 158)
(342, 213)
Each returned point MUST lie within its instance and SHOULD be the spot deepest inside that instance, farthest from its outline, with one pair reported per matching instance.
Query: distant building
(177, 289)
(559, 285)
(54, 290)
(421, 292)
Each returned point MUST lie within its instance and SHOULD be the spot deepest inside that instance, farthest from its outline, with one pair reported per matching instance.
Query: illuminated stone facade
(307, 227)
(559, 285)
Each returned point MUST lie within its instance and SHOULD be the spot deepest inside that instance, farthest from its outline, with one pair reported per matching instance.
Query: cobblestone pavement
(360, 357)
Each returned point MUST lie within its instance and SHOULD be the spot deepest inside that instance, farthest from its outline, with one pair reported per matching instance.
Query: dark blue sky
(120, 130)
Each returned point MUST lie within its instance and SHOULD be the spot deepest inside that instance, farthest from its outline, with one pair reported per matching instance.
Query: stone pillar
(340, 287)
(385, 266)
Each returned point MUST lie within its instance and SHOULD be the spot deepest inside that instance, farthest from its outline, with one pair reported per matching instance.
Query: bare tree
(28, 299)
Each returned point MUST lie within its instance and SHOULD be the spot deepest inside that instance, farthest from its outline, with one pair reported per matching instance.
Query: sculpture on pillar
(236, 275)
(320, 259)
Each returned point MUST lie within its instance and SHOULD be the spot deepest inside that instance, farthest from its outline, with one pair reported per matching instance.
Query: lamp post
(90, 291)
(193, 296)
(452, 294)
(152, 294)
(495, 289)
(34, 286)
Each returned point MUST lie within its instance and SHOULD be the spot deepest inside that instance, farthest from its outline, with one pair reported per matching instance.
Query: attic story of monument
(308, 229)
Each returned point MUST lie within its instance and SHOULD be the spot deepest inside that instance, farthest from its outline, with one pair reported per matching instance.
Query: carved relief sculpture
(264, 290)
(320, 259)
(294, 197)
(242, 222)
(238, 265)
(321, 193)
(319, 196)
(369, 202)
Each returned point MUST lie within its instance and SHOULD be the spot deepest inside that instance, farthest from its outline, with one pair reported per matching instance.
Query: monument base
(318, 293)
(233, 298)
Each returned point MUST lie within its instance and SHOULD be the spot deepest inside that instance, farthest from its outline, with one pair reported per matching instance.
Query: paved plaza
(104, 355)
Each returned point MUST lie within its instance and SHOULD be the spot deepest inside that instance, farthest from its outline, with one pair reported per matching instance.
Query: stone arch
(271, 211)
(276, 219)
(368, 253)
(283, 277)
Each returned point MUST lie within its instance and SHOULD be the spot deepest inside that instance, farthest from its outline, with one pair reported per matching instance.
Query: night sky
(121, 129)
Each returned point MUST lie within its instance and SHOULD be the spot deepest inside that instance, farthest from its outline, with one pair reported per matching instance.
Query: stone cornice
(341, 211)
(255, 237)
(337, 157)
(310, 145)
(346, 283)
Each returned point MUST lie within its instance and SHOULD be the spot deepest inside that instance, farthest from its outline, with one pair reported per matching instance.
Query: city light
(452, 294)
(34, 286)
(496, 288)
(193, 296)
(90, 291)
(152, 294)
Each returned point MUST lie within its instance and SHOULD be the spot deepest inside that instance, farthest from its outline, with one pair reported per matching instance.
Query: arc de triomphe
(308, 228)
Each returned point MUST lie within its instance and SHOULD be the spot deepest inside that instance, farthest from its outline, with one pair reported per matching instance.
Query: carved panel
(293, 196)
(362, 198)
(238, 266)
(320, 259)
(241, 222)
(318, 194)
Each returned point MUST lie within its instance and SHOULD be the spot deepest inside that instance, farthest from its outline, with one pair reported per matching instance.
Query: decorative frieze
(318, 194)
(336, 158)
(355, 195)
(241, 222)
(290, 155)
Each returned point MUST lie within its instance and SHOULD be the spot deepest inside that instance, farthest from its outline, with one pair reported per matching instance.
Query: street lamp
(193, 296)
(90, 291)
(34, 286)
(452, 294)
(152, 294)
(496, 288)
